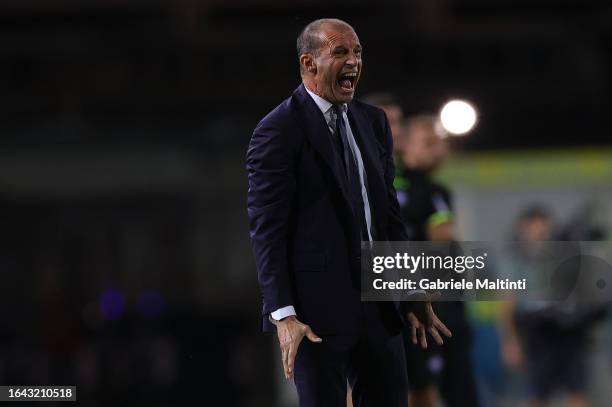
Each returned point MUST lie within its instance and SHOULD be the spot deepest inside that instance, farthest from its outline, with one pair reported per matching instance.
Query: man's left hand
(423, 319)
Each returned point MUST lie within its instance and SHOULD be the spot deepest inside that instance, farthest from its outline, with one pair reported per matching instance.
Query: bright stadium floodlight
(458, 117)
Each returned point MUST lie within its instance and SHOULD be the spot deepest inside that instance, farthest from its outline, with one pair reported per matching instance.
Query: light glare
(458, 117)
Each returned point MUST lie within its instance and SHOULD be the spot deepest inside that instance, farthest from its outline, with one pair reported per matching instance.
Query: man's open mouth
(347, 81)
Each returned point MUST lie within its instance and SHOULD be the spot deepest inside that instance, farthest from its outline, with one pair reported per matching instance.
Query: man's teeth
(346, 80)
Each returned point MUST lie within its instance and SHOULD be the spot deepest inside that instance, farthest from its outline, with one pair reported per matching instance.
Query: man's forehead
(335, 32)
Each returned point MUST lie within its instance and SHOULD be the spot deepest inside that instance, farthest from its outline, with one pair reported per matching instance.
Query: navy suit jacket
(304, 232)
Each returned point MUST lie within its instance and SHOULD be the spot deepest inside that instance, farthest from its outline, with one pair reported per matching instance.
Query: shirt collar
(323, 104)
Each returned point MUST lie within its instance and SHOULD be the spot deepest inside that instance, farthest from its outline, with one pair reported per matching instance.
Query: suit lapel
(314, 125)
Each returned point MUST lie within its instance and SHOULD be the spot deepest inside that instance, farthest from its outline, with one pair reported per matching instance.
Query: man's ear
(307, 61)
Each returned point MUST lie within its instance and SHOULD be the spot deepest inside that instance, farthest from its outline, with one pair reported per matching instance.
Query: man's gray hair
(309, 41)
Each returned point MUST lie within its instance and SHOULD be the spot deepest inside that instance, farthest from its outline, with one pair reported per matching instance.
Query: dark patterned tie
(351, 171)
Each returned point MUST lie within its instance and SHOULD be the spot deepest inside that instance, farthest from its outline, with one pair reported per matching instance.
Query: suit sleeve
(271, 176)
(396, 228)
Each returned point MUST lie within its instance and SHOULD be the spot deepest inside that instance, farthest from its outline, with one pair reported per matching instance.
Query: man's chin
(345, 97)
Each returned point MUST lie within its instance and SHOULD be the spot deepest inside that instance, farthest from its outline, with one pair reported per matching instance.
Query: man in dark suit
(320, 173)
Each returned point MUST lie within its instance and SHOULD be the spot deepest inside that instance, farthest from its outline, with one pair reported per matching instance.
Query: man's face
(337, 67)
(535, 229)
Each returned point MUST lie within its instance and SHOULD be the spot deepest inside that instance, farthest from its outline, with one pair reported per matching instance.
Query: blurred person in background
(419, 149)
(426, 208)
(550, 340)
(320, 173)
(425, 204)
(394, 112)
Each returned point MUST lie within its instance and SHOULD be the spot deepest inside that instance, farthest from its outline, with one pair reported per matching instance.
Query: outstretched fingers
(414, 323)
(285, 352)
(423, 336)
(312, 336)
(436, 335)
(439, 325)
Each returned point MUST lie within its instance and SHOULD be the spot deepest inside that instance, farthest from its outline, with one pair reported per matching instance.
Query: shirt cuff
(283, 313)
(416, 295)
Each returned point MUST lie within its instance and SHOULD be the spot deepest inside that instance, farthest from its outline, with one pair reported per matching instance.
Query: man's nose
(351, 59)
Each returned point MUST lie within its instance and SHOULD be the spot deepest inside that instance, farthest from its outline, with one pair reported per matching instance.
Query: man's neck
(308, 84)
(311, 87)
(321, 103)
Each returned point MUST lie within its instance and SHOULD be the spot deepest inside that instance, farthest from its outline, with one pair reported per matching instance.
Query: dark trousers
(372, 363)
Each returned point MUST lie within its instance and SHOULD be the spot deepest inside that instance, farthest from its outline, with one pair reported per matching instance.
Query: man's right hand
(290, 333)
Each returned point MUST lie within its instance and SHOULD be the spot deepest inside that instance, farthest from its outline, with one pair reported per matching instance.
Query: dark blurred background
(125, 259)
